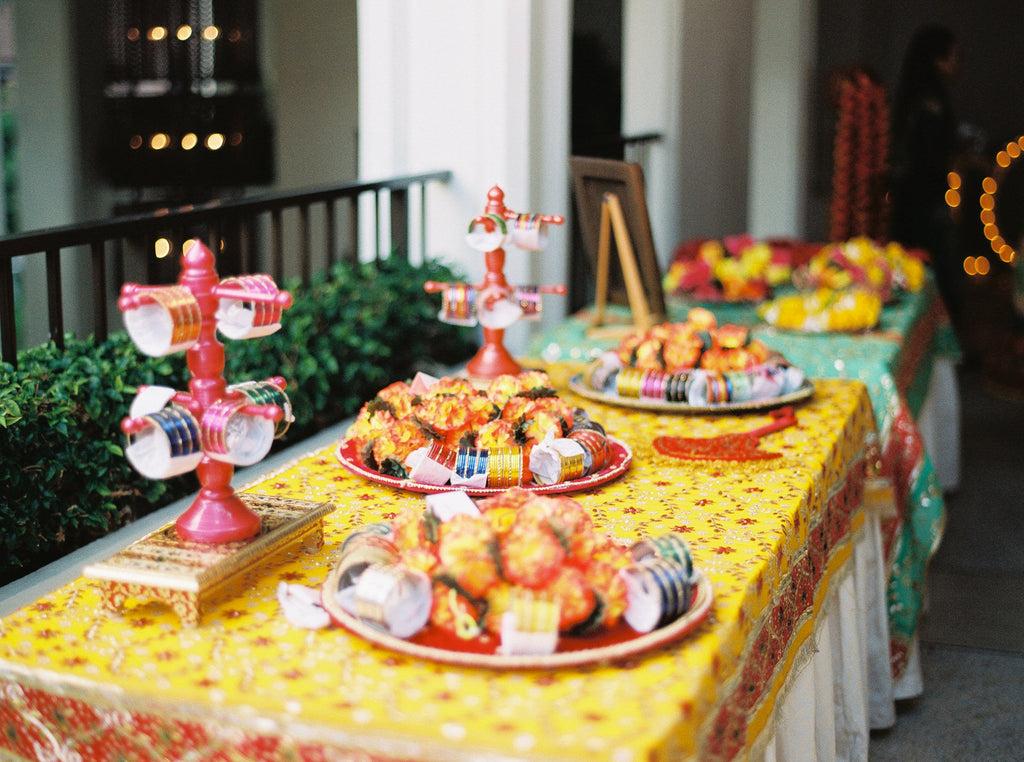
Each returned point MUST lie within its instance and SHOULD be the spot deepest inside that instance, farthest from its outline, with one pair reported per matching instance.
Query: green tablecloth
(895, 362)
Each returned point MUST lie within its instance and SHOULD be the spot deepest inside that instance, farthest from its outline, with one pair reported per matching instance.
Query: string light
(990, 188)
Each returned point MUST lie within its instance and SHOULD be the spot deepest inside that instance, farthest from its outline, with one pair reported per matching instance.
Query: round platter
(577, 384)
(620, 458)
(434, 644)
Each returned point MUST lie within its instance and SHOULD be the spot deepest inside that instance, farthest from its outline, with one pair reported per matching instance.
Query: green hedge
(64, 479)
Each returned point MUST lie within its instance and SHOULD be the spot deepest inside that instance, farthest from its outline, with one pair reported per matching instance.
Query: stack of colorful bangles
(697, 386)
(581, 452)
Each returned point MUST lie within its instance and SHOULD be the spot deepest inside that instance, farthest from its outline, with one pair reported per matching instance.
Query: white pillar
(480, 89)
(784, 56)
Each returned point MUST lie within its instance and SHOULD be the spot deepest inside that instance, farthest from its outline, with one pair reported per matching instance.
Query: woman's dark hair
(920, 76)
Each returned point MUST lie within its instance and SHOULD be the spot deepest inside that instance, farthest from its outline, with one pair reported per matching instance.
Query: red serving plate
(620, 456)
(607, 645)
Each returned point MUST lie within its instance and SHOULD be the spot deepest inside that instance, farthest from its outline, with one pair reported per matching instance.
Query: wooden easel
(613, 220)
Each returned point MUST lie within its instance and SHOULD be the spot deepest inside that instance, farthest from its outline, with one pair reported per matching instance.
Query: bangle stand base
(186, 575)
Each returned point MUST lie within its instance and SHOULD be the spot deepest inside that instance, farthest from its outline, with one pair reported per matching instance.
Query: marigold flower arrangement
(882, 268)
(736, 268)
(513, 411)
(520, 546)
(697, 343)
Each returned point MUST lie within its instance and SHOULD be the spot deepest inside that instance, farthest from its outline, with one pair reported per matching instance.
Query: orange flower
(398, 440)
(576, 596)
(531, 555)
(683, 352)
(501, 389)
(496, 433)
(604, 576)
(479, 411)
(409, 532)
(456, 387)
(499, 600)
(649, 354)
(464, 550)
(368, 426)
(399, 396)
(421, 557)
(445, 415)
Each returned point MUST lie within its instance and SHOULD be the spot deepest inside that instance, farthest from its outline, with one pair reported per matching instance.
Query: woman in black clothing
(925, 148)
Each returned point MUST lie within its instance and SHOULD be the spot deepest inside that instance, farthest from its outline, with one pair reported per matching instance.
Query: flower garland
(860, 158)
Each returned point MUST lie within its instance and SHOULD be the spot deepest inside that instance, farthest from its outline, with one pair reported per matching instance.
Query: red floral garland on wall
(860, 158)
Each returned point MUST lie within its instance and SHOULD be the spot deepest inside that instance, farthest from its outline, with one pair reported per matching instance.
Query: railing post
(352, 255)
(400, 222)
(99, 285)
(54, 297)
(8, 330)
(423, 222)
(276, 246)
(304, 247)
(376, 224)
(245, 241)
(330, 233)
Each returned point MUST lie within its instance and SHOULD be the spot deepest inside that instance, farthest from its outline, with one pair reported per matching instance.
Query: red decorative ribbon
(738, 446)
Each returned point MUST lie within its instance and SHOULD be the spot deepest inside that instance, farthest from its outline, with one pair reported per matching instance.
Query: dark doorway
(596, 119)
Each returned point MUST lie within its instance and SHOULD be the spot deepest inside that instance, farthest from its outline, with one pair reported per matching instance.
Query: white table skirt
(842, 686)
(939, 423)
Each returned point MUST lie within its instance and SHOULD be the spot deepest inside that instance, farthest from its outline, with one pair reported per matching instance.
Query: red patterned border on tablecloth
(794, 605)
(917, 345)
(38, 725)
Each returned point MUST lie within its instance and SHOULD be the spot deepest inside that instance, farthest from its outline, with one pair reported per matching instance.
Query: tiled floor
(972, 635)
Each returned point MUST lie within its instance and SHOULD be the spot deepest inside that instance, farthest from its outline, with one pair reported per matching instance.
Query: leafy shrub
(65, 480)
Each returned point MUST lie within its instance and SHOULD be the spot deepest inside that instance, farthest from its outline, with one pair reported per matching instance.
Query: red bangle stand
(493, 359)
(217, 515)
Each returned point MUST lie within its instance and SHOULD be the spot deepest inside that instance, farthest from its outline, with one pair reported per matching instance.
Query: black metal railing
(257, 228)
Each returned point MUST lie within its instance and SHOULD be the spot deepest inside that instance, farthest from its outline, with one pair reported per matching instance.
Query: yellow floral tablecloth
(78, 683)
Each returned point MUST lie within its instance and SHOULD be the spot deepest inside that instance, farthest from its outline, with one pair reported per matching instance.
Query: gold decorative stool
(186, 575)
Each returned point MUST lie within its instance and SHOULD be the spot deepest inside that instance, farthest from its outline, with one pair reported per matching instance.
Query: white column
(784, 55)
(480, 89)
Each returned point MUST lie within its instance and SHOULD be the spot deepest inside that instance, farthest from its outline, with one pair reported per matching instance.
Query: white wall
(482, 89)
(687, 74)
(652, 64)
(309, 68)
(309, 72)
(49, 155)
(783, 67)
